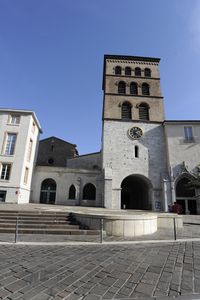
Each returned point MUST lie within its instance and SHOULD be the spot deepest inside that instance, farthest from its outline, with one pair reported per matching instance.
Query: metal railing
(101, 234)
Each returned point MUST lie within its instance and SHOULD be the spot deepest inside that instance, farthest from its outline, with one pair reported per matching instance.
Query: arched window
(133, 88)
(72, 192)
(137, 72)
(145, 89)
(143, 111)
(121, 87)
(126, 111)
(128, 71)
(147, 72)
(136, 151)
(118, 70)
(48, 191)
(89, 192)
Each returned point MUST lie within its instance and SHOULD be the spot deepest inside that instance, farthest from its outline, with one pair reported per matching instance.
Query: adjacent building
(19, 134)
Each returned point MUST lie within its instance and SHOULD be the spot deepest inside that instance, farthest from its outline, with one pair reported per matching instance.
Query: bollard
(16, 230)
(101, 230)
(174, 222)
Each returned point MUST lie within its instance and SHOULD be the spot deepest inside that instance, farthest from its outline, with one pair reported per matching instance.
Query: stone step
(9, 212)
(31, 221)
(51, 231)
(41, 222)
(39, 225)
(25, 217)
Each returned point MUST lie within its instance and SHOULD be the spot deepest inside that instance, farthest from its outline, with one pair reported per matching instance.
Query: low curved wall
(120, 225)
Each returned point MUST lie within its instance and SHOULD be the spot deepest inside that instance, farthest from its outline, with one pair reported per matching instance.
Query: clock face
(135, 132)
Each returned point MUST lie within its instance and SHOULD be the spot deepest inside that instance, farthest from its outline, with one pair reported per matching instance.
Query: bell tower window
(147, 72)
(118, 70)
(145, 89)
(133, 88)
(137, 72)
(128, 71)
(143, 111)
(121, 87)
(126, 111)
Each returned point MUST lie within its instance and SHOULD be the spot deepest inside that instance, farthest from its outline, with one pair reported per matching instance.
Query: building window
(137, 72)
(26, 175)
(121, 87)
(118, 70)
(188, 133)
(30, 146)
(10, 143)
(14, 119)
(136, 151)
(126, 111)
(89, 192)
(143, 111)
(5, 171)
(128, 71)
(72, 192)
(50, 161)
(133, 88)
(147, 72)
(33, 128)
(145, 89)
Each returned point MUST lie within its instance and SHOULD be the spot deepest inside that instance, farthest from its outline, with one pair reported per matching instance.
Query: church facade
(145, 162)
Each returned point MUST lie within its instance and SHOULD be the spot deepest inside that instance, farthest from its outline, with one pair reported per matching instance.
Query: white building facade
(145, 162)
(19, 134)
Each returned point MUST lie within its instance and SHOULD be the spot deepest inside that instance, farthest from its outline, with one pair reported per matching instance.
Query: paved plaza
(92, 272)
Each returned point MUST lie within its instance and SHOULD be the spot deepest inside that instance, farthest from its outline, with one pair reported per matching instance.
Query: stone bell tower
(133, 144)
(135, 80)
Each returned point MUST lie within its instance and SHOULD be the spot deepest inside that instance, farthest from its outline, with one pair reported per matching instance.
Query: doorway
(135, 193)
(48, 191)
(185, 197)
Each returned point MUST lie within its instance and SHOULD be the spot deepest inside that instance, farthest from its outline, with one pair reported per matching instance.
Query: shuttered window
(145, 89)
(147, 72)
(133, 88)
(137, 72)
(126, 111)
(118, 70)
(121, 87)
(128, 71)
(143, 112)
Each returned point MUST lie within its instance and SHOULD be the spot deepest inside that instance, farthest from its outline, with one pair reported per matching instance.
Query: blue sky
(51, 58)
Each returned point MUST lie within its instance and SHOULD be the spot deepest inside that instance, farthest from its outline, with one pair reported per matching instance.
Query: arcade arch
(135, 192)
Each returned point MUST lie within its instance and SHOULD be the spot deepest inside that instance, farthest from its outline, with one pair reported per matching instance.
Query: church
(145, 162)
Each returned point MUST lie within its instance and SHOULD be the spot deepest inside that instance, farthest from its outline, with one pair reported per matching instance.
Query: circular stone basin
(124, 225)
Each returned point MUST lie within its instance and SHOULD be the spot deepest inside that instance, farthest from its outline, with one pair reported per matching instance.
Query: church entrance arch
(185, 196)
(48, 191)
(135, 192)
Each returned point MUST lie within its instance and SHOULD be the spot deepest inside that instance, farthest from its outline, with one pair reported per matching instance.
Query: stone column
(108, 188)
(78, 193)
(187, 212)
(165, 184)
(116, 198)
(173, 192)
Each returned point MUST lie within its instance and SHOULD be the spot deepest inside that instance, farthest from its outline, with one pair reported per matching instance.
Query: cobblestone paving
(93, 272)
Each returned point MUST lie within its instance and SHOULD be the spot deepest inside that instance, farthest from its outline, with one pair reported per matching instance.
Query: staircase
(42, 222)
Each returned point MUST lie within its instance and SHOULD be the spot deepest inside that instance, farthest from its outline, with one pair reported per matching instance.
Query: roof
(87, 154)
(130, 57)
(181, 121)
(24, 112)
(56, 138)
